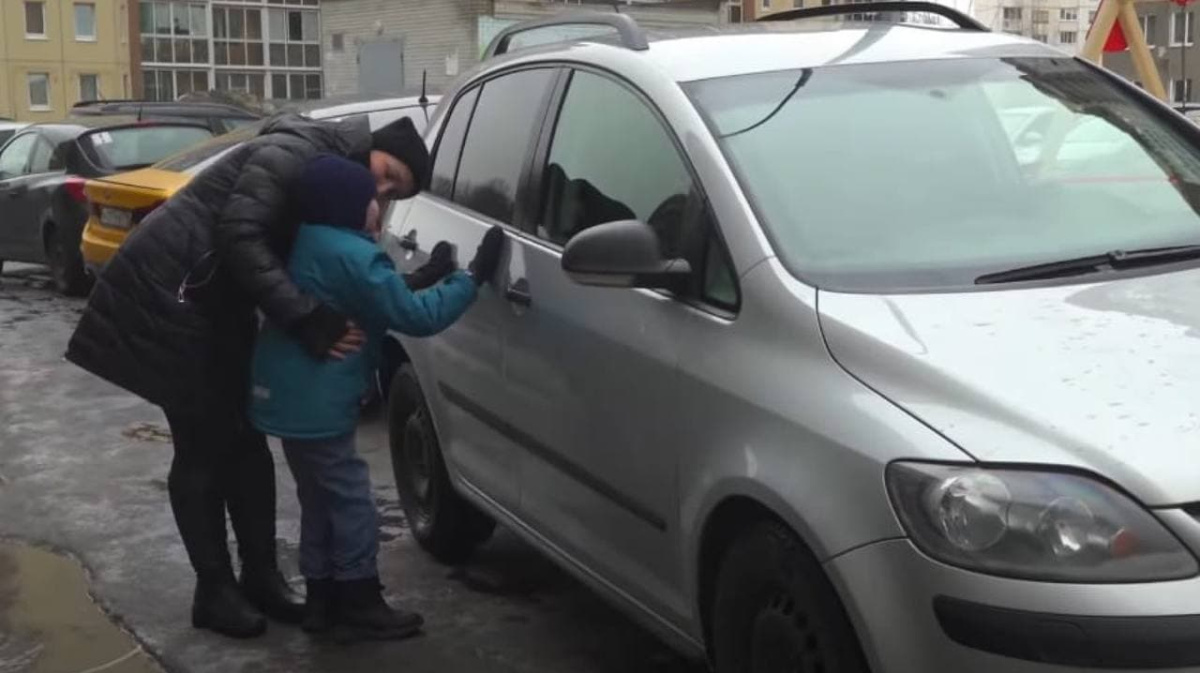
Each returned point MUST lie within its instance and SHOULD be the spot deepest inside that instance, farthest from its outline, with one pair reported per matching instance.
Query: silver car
(793, 358)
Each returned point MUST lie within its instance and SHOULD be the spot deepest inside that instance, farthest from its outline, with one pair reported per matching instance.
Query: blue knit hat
(335, 192)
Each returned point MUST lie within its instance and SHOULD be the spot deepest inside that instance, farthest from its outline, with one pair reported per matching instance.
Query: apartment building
(55, 53)
(270, 49)
(1171, 33)
(1062, 23)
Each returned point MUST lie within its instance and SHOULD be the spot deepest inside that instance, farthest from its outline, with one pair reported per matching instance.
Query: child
(313, 404)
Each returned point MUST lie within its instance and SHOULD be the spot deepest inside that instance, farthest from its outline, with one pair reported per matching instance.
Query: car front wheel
(443, 523)
(774, 611)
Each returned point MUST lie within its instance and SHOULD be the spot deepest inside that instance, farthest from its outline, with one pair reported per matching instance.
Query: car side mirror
(625, 253)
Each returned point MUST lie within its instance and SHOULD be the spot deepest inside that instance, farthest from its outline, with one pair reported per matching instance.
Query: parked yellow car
(119, 202)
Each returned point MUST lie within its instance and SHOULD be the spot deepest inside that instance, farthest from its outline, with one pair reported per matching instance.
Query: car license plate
(115, 218)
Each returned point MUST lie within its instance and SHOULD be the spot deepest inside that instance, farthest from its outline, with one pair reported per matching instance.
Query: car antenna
(424, 99)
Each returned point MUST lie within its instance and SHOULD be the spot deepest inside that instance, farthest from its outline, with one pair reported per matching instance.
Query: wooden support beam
(1139, 51)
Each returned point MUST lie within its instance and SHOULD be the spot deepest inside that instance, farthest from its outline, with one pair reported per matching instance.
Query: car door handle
(409, 241)
(518, 293)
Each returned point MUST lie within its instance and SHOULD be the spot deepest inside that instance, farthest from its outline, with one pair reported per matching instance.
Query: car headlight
(1037, 525)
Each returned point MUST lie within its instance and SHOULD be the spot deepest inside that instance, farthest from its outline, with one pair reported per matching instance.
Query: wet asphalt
(83, 469)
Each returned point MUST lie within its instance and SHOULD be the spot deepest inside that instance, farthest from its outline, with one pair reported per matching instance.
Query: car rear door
(479, 161)
(591, 373)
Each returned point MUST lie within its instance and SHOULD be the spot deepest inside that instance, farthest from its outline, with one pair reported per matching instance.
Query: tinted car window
(199, 157)
(499, 141)
(449, 148)
(15, 158)
(4, 136)
(612, 159)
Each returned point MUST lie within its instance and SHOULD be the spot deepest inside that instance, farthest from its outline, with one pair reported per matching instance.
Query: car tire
(774, 611)
(442, 522)
(66, 265)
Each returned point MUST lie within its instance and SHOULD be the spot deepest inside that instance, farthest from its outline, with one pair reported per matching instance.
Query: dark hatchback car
(218, 117)
(42, 173)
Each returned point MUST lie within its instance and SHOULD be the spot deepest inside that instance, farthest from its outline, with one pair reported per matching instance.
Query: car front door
(17, 209)
(478, 163)
(591, 373)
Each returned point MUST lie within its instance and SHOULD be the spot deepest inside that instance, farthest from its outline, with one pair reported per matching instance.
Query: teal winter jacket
(296, 396)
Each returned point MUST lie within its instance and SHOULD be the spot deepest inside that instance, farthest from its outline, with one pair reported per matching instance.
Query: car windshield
(926, 175)
(137, 146)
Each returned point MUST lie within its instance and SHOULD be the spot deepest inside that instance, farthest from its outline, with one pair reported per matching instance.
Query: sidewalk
(49, 624)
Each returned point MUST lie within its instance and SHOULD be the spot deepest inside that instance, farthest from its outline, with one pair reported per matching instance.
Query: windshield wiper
(1116, 259)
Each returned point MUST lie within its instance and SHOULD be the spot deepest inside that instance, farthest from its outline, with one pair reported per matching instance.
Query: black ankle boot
(271, 594)
(362, 614)
(218, 605)
(318, 606)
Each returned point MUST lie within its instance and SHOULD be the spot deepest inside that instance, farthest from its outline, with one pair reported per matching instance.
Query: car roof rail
(631, 34)
(960, 19)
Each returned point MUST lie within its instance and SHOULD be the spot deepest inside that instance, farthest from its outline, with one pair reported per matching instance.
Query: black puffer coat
(172, 317)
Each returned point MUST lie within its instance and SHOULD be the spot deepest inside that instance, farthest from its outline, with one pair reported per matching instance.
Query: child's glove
(487, 256)
(441, 264)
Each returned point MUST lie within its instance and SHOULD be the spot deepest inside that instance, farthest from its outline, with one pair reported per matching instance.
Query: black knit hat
(402, 140)
(335, 192)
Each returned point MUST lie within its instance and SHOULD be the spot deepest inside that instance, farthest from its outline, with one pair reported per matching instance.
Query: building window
(1067, 37)
(296, 86)
(1181, 90)
(39, 90)
(168, 85)
(242, 82)
(237, 36)
(1181, 27)
(338, 42)
(766, 4)
(295, 36)
(89, 88)
(1041, 37)
(1068, 14)
(85, 22)
(1041, 15)
(1149, 28)
(35, 19)
(1012, 13)
(312, 3)
(174, 32)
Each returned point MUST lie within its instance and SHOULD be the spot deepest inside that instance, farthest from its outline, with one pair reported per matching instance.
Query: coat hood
(1104, 377)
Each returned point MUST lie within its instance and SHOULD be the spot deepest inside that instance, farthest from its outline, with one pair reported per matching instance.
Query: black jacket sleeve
(256, 214)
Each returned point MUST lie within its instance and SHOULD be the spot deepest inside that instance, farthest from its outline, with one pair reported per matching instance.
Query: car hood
(1103, 377)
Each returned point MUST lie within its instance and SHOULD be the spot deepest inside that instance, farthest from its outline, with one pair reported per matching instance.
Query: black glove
(320, 330)
(487, 256)
(441, 264)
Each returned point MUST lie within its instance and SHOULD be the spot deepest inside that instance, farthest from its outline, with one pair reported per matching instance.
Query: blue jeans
(339, 526)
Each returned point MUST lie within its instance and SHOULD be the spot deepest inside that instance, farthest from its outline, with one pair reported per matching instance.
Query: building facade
(1171, 33)
(1062, 23)
(56, 53)
(384, 47)
(270, 49)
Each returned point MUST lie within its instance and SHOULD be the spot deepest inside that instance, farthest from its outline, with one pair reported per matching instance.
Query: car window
(39, 160)
(612, 159)
(139, 146)
(202, 155)
(15, 159)
(5, 135)
(449, 148)
(938, 191)
(499, 141)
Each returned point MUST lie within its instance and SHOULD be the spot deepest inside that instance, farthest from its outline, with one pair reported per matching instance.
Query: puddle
(49, 624)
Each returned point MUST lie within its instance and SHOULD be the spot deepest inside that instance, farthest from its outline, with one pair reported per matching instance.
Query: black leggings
(222, 463)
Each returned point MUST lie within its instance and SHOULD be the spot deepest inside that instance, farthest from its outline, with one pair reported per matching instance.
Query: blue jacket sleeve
(383, 295)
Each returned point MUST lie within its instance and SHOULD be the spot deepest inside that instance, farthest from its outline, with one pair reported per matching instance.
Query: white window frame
(1068, 14)
(93, 75)
(1188, 30)
(75, 20)
(47, 107)
(1004, 11)
(1074, 37)
(766, 4)
(1144, 20)
(25, 17)
(269, 39)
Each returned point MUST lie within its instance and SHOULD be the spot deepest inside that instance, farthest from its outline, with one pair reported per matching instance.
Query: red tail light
(74, 189)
